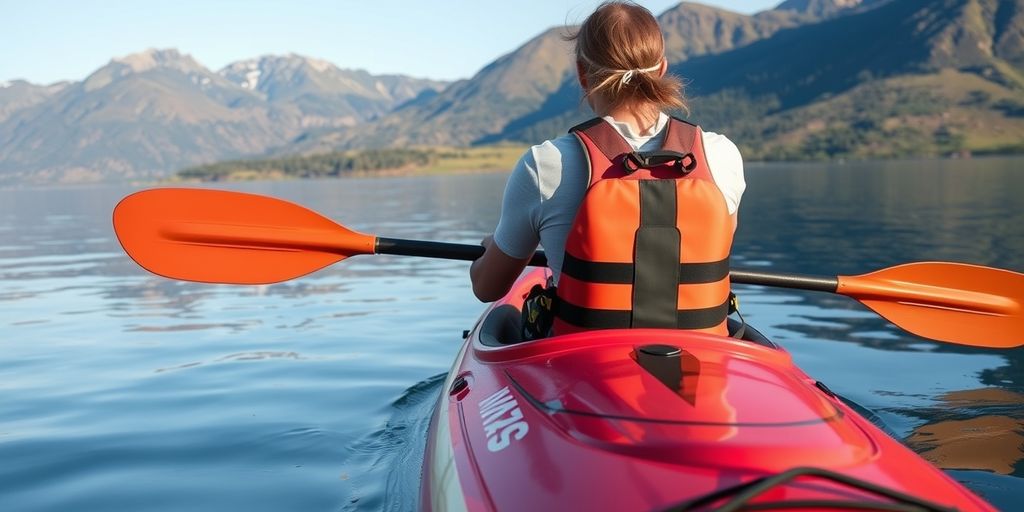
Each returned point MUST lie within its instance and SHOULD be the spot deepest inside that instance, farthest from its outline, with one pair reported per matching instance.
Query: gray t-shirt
(547, 185)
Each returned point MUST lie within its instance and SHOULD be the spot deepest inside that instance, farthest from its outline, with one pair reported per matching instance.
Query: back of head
(620, 50)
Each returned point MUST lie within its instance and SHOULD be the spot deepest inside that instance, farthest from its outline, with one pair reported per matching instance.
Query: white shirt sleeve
(726, 167)
(516, 234)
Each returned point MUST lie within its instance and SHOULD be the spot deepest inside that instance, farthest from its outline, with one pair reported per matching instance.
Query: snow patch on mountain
(154, 58)
(319, 65)
(252, 79)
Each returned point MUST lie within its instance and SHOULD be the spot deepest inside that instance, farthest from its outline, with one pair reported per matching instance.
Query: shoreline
(366, 174)
(388, 162)
(433, 171)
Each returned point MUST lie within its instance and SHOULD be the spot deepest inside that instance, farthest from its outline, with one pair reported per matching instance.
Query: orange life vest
(650, 243)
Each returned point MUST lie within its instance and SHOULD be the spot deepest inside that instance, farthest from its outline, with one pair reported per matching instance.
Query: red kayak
(638, 419)
(648, 419)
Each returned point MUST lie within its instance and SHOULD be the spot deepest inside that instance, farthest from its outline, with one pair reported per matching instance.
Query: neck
(640, 118)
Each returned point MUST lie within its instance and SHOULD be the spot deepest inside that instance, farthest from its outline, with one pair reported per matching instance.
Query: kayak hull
(593, 421)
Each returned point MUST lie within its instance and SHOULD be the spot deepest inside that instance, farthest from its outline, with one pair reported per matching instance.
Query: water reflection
(860, 216)
(189, 327)
(973, 429)
(242, 356)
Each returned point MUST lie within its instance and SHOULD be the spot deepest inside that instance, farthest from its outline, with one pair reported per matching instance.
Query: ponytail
(621, 51)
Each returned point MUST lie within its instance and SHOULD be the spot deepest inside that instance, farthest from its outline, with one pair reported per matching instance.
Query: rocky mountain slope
(904, 78)
(826, 8)
(151, 113)
(812, 79)
(325, 94)
(809, 79)
(19, 94)
(532, 92)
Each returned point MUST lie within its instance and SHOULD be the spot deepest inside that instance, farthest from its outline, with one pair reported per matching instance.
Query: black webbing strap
(656, 257)
(589, 318)
(734, 307)
(622, 273)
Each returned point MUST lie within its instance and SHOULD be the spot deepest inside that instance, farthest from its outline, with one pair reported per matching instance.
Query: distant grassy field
(483, 158)
(369, 162)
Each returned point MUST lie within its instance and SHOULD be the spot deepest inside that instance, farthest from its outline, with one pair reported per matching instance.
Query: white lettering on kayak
(492, 413)
(502, 419)
(495, 398)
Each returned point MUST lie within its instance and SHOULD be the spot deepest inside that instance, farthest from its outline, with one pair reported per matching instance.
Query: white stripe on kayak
(445, 489)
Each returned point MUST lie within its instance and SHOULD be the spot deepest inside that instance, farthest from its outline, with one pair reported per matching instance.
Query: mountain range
(148, 114)
(808, 79)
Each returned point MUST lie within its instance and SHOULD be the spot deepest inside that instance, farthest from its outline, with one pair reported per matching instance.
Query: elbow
(493, 274)
(485, 293)
(482, 288)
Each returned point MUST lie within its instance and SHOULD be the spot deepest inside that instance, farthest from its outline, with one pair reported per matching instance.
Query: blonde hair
(620, 49)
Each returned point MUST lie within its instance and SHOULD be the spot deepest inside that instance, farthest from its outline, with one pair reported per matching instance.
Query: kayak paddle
(217, 236)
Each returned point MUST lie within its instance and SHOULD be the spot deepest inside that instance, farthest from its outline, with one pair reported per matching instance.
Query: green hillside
(949, 113)
(818, 79)
(904, 79)
(359, 163)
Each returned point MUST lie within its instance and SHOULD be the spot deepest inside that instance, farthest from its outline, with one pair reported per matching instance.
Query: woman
(621, 67)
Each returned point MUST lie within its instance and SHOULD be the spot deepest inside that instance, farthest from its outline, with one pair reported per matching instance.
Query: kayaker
(621, 67)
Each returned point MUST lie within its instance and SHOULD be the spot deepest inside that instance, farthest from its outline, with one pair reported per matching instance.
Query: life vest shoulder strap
(681, 137)
(687, 138)
(604, 136)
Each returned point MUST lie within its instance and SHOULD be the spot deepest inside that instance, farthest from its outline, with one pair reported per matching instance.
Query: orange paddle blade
(215, 236)
(951, 302)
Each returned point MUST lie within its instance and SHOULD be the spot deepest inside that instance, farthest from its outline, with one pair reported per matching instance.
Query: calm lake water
(120, 390)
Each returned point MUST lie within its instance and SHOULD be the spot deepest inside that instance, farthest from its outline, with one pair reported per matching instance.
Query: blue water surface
(120, 390)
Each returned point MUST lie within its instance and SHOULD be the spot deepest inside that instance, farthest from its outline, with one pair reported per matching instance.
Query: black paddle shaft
(785, 280)
(443, 250)
(448, 251)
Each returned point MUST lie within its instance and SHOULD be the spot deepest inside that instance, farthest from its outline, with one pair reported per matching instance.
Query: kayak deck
(587, 421)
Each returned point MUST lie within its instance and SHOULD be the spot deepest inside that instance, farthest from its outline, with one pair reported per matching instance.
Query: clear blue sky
(48, 40)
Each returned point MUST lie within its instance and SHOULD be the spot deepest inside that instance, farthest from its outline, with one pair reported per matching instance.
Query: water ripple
(315, 394)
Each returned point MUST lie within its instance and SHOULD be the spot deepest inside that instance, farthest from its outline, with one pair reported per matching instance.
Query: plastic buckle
(734, 303)
(633, 162)
(687, 168)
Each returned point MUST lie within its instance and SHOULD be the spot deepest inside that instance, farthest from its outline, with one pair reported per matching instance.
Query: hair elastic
(627, 74)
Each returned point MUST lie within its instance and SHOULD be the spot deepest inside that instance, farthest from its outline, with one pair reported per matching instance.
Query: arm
(507, 252)
(494, 272)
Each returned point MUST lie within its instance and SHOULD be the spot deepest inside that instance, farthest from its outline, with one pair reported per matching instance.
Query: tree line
(325, 165)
